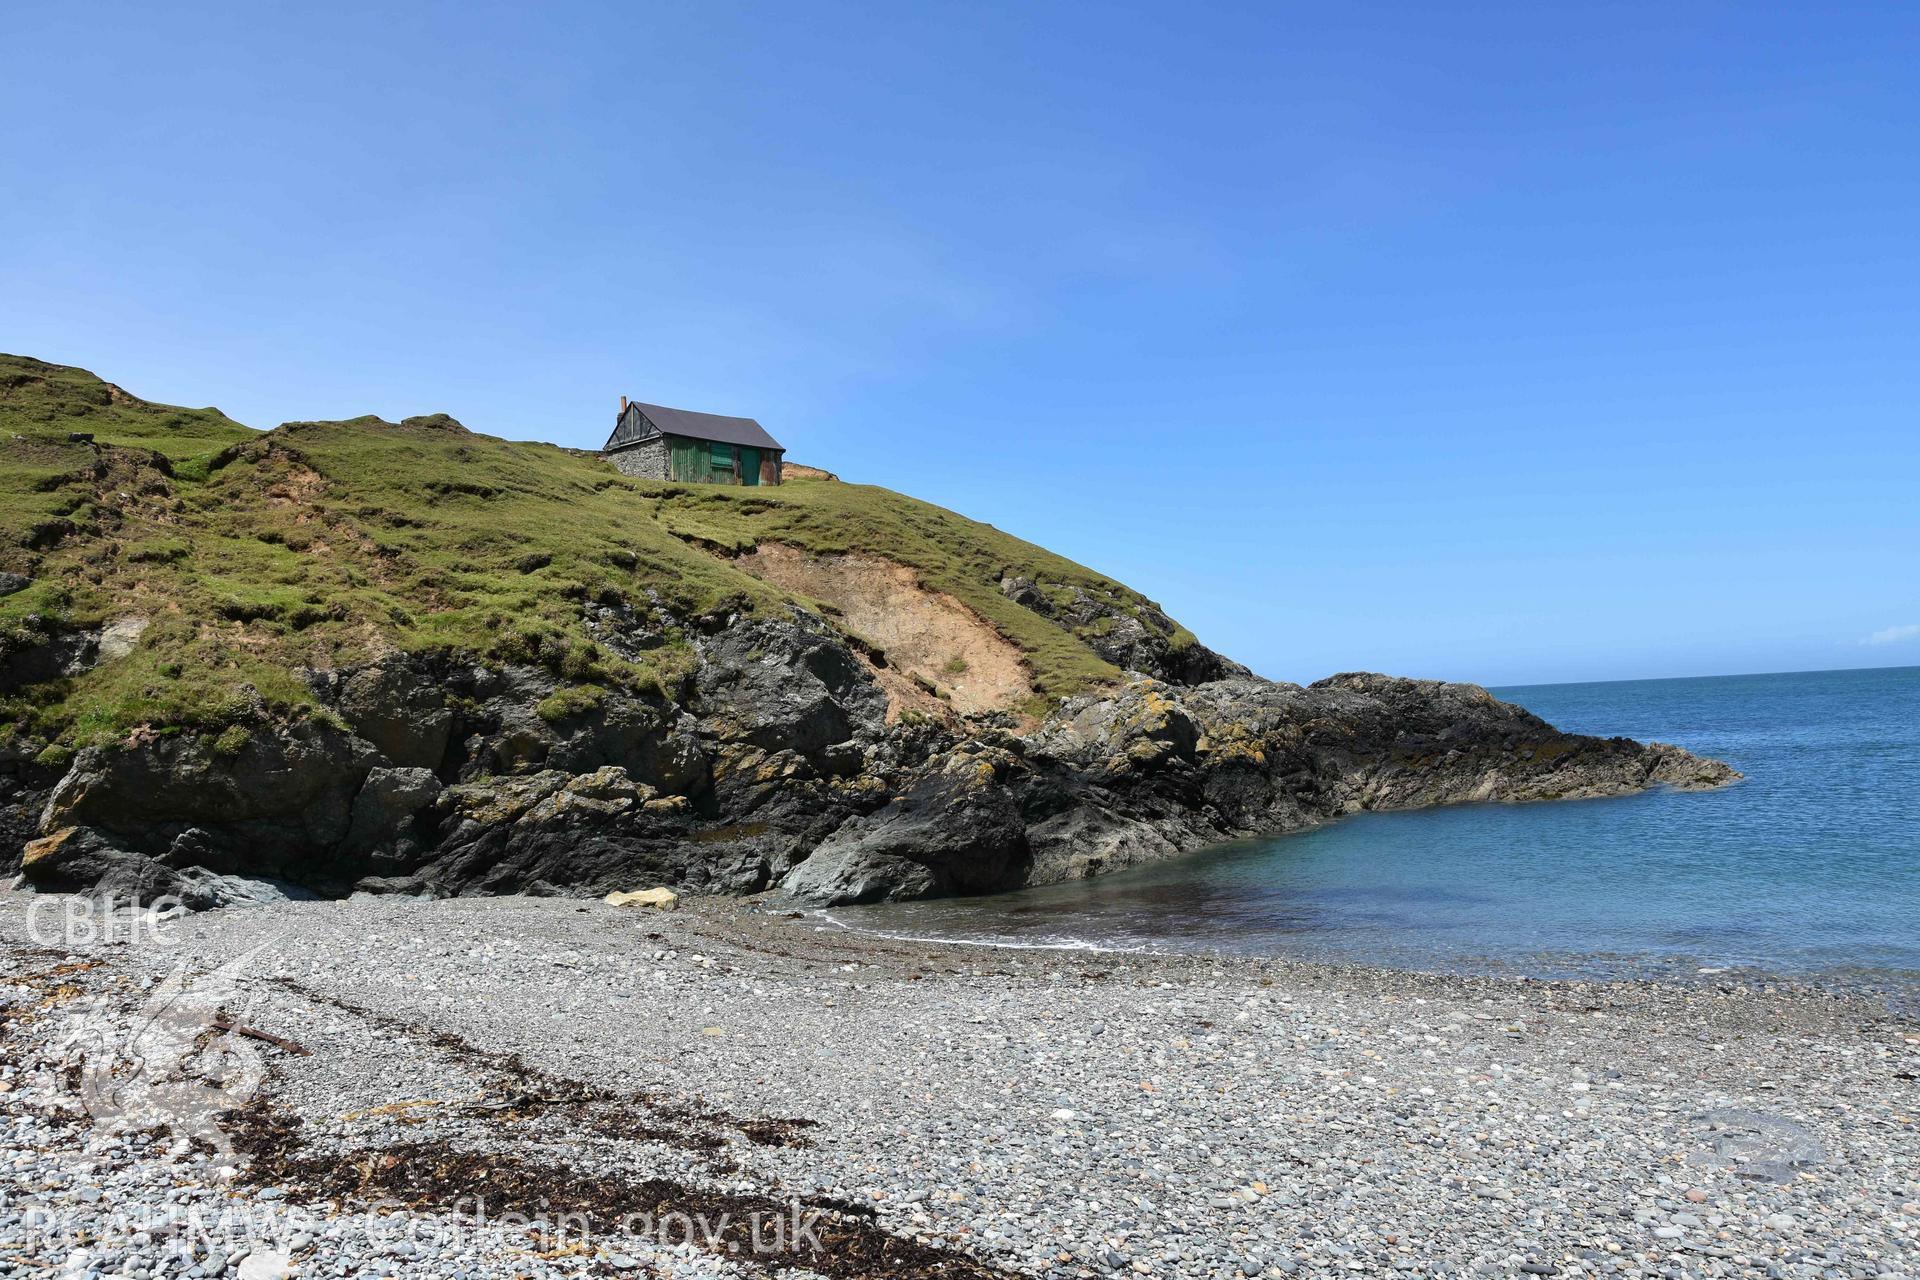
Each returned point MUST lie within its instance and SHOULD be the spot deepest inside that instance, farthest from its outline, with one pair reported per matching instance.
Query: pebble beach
(544, 1087)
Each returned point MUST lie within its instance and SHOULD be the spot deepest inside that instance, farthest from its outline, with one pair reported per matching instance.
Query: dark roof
(685, 422)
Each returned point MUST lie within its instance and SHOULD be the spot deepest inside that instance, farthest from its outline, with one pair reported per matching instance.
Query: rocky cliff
(405, 658)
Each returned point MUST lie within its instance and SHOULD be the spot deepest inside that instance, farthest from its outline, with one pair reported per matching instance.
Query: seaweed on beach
(830, 1237)
(526, 1092)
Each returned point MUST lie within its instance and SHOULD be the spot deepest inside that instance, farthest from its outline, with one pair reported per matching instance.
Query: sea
(1809, 868)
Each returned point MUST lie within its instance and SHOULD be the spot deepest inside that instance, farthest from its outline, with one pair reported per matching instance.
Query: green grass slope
(251, 555)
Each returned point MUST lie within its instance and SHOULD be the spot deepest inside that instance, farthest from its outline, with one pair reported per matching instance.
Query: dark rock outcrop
(1152, 770)
(1141, 639)
(82, 860)
(60, 653)
(401, 707)
(957, 829)
(278, 804)
(385, 822)
(790, 687)
(776, 767)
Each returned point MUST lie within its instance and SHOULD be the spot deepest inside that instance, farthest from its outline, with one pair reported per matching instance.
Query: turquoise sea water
(1810, 866)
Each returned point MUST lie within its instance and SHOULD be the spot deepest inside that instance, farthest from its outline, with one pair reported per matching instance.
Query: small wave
(1002, 944)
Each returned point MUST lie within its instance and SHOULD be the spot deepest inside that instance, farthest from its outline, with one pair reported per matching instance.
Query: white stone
(658, 899)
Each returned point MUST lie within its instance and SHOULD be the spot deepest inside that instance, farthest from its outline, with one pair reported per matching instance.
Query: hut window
(722, 454)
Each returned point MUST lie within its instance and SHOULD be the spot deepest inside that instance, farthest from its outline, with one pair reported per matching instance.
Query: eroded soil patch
(931, 640)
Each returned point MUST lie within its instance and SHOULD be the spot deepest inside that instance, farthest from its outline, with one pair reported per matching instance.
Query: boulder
(848, 873)
(656, 899)
(120, 638)
(79, 859)
(958, 829)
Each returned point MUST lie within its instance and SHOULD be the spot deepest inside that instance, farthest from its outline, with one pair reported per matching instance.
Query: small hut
(653, 442)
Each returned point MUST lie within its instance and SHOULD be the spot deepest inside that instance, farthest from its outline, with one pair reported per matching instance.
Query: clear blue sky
(1497, 342)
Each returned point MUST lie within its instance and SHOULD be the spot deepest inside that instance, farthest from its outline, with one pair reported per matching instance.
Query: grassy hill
(247, 556)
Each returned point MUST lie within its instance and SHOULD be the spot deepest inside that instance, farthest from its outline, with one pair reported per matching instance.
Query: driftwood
(266, 1037)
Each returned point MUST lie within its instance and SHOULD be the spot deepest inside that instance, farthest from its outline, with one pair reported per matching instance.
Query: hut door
(749, 464)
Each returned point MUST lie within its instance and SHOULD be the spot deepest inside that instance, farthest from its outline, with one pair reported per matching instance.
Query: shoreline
(961, 1111)
(1897, 988)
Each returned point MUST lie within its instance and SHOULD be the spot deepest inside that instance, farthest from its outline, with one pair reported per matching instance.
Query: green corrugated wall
(692, 460)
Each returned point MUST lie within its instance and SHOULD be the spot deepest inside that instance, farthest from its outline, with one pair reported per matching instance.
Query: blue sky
(1497, 342)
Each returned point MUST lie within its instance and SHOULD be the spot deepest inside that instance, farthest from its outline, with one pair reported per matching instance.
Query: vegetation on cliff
(216, 564)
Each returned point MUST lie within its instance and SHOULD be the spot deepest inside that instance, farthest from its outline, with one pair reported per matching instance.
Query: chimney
(623, 404)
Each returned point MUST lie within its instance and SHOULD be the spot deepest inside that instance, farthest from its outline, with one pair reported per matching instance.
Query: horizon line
(1718, 675)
